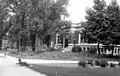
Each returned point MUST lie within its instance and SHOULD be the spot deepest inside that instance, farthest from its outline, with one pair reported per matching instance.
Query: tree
(113, 23)
(5, 22)
(19, 30)
(49, 14)
(95, 22)
(102, 23)
(36, 18)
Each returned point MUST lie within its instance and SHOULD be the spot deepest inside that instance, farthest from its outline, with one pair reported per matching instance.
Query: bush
(83, 64)
(119, 63)
(14, 52)
(50, 49)
(93, 50)
(90, 62)
(103, 63)
(31, 54)
(76, 49)
(22, 48)
(112, 65)
(97, 63)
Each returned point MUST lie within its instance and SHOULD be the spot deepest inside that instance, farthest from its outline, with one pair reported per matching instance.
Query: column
(79, 41)
(57, 38)
(63, 42)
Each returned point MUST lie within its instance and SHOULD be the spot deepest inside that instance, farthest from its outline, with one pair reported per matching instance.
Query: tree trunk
(112, 50)
(22, 44)
(33, 42)
(18, 44)
(98, 46)
(0, 43)
(20, 47)
(66, 42)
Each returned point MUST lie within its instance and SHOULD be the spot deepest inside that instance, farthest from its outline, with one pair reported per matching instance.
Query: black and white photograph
(59, 37)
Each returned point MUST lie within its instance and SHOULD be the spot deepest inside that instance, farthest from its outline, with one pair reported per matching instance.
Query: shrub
(76, 49)
(31, 54)
(40, 51)
(14, 52)
(119, 63)
(112, 65)
(97, 63)
(93, 50)
(58, 49)
(83, 64)
(103, 63)
(22, 49)
(90, 62)
(50, 49)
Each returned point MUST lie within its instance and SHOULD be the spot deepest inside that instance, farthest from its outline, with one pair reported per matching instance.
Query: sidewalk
(40, 61)
(61, 63)
(8, 67)
(18, 71)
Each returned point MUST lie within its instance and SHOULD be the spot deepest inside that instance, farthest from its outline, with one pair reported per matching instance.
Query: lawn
(73, 71)
(58, 55)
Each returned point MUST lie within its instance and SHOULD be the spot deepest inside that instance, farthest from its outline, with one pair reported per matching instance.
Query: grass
(73, 71)
(58, 55)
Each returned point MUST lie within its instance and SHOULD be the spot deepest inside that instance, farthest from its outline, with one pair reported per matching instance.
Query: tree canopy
(33, 18)
(102, 23)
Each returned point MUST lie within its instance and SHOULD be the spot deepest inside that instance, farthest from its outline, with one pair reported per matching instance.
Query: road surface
(8, 67)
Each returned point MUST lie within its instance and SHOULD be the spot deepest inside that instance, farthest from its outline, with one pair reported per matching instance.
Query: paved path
(8, 67)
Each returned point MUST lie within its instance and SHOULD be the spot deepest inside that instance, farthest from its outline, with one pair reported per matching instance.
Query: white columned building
(57, 38)
(79, 41)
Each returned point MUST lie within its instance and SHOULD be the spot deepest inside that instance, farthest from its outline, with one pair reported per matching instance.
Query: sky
(77, 8)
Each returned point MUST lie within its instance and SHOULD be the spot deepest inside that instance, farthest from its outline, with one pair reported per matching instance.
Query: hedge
(76, 49)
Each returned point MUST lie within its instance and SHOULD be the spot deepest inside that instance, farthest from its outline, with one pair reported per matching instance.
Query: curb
(42, 61)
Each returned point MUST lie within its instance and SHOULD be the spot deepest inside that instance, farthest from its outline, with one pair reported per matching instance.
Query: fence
(103, 50)
(116, 51)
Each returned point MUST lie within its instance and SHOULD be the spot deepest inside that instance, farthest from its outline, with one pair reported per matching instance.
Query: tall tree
(5, 22)
(102, 23)
(37, 17)
(20, 10)
(49, 14)
(113, 23)
(95, 22)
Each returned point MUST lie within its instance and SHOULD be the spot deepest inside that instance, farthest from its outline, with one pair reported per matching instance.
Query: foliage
(76, 49)
(82, 63)
(5, 23)
(97, 62)
(50, 49)
(36, 17)
(102, 23)
(90, 62)
(92, 50)
(119, 63)
(113, 18)
(103, 63)
(95, 21)
(112, 65)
